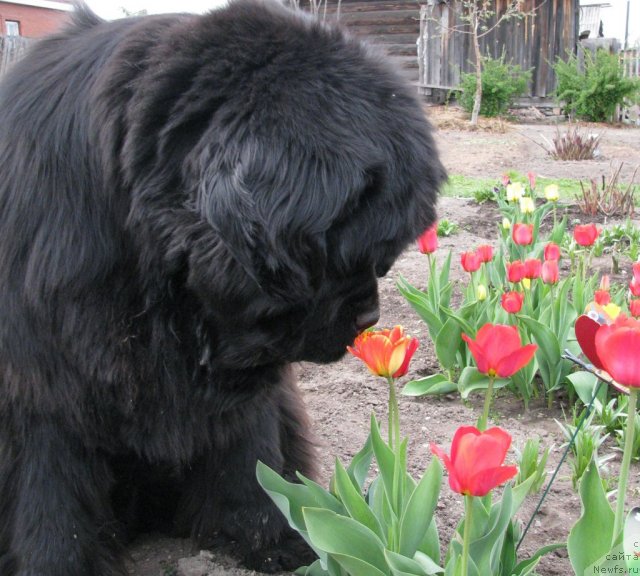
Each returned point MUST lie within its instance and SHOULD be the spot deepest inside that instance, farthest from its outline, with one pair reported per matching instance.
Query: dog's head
(315, 170)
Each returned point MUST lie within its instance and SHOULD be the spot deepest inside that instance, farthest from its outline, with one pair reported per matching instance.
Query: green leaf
(447, 343)
(418, 512)
(354, 502)
(430, 385)
(384, 457)
(353, 545)
(322, 497)
(585, 384)
(315, 569)
(427, 564)
(287, 496)
(465, 326)
(401, 565)
(486, 550)
(590, 538)
(545, 339)
(527, 566)
(420, 302)
(471, 379)
(358, 469)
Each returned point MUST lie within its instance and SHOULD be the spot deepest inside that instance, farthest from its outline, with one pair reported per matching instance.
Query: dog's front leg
(55, 501)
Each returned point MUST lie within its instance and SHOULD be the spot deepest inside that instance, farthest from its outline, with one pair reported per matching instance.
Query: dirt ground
(341, 397)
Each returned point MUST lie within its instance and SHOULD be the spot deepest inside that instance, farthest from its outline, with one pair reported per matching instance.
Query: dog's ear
(272, 207)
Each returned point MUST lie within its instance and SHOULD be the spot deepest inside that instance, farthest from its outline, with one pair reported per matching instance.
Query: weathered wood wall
(11, 49)
(393, 25)
(533, 42)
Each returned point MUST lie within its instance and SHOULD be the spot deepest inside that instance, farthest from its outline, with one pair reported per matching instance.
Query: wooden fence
(393, 25)
(11, 49)
(548, 30)
(630, 60)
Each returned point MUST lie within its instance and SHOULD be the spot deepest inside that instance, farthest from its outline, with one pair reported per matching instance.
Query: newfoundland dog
(188, 204)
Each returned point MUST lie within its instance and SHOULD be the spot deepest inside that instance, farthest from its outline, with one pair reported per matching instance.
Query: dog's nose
(367, 319)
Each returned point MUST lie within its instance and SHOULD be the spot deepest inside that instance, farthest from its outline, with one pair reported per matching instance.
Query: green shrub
(592, 91)
(501, 83)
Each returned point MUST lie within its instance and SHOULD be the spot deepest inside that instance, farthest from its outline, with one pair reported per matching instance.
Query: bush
(592, 91)
(501, 83)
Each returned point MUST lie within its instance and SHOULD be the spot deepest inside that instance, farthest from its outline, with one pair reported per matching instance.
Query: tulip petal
(477, 353)
(510, 364)
(454, 483)
(486, 480)
(497, 341)
(617, 347)
(412, 346)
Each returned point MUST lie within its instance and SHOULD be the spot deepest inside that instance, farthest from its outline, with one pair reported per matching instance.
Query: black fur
(188, 204)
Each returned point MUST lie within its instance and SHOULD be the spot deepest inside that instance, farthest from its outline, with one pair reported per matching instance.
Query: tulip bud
(515, 190)
(506, 224)
(585, 235)
(634, 308)
(522, 234)
(549, 271)
(512, 301)
(527, 205)
(634, 287)
(481, 292)
(552, 251)
(515, 271)
(470, 261)
(552, 192)
(602, 297)
(532, 268)
(532, 180)
(428, 240)
(485, 252)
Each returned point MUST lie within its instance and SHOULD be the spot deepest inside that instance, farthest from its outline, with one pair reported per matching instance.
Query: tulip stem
(482, 425)
(394, 416)
(466, 538)
(626, 461)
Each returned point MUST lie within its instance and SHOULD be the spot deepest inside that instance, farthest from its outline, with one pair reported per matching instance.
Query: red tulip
(585, 235)
(385, 352)
(476, 463)
(485, 252)
(471, 261)
(512, 301)
(498, 350)
(552, 251)
(506, 180)
(636, 271)
(634, 287)
(617, 346)
(602, 297)
(515, 271)
(522, 234)
(550, 271)
(634, 308)
(532, 268)
(428, 240)
(532, 180)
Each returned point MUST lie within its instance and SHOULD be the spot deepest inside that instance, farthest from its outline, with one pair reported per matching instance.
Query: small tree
(501, 83)
(476, 15)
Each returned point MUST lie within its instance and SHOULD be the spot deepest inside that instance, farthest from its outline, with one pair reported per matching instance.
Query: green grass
(466, 186)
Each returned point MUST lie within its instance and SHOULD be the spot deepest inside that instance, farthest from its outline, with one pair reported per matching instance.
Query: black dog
(188, 204)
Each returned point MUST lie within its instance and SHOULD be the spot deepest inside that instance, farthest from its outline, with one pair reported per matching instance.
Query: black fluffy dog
(188, 204)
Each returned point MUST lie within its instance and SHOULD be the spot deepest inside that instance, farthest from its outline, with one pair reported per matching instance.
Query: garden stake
(569, 356)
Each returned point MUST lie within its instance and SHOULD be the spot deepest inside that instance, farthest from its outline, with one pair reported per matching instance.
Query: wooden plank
(411, 17)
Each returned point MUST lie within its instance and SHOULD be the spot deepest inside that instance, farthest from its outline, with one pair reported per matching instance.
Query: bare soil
(341, 397)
